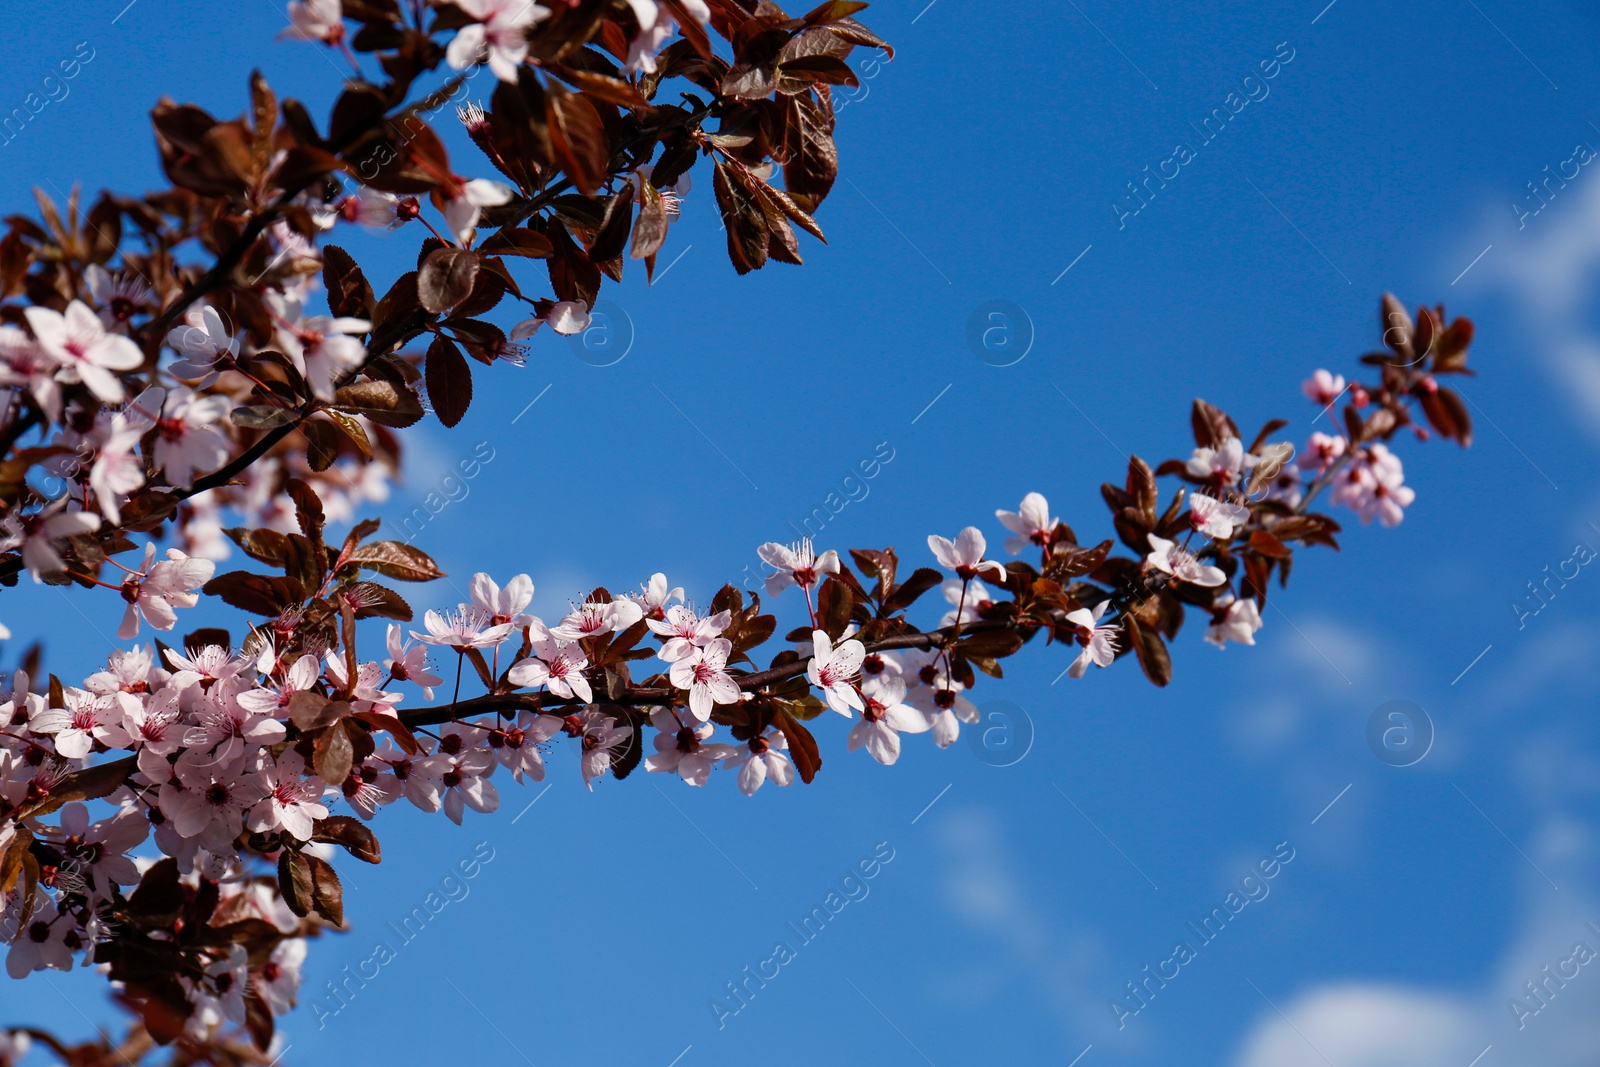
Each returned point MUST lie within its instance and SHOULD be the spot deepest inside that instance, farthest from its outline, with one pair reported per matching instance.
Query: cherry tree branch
(640, 696)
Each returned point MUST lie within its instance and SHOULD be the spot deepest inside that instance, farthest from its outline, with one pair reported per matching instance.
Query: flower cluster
(216, 766)
(203, 355)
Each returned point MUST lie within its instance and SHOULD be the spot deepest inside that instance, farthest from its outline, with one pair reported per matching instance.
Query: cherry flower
(326, 348)
(502, 605)
(204, 348)
(1374, 486)
(292, 800)
(228, 729)
(934, 693)
(465, 628)
(684, 631)
(1320, 451)
(409, 663)
(415, 778)
(120, 296)
(702, 672)
(86, 351)
(127, 671)
(118, 468)
(154, 727)
(796, 564)
(600, 736)
(1323, 388)
(653, 596)
(499, 34)
(566, 317)
(1215, 518)
(24, 365)
(207, 802)
(517, 746)
(316, 20)
(884, 718)
(274, 697)
(684, 748)
(369, 788)
(464, 763)
(157, 590)
(968, 600)
(557, 665)
(87, 718)
(1099, 642)
(367, 694)
(657, 23)
(463, 209)
(37, 535)
(188, 440)
(834, 670)
(378, 210)
(1223, 464)
(1031, 523)
(48, 941)
(100, 849)
(1181, 564)
(1233, 620)
(277, 982)
(219, 996)
(593, 618)
(964, 555)
(14, 1044)
(761, 758)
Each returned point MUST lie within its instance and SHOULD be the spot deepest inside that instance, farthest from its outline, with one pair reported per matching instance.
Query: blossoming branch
(173, 390)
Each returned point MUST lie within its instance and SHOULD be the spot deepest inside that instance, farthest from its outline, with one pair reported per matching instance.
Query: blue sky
(978, 165)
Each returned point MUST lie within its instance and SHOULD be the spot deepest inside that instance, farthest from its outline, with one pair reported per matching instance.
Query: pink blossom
(684, 748)
(499, 35)
(1233, 620)
(80, 343)
(703, 673)
(884, 718)
(964, 555)
(1099, 642)
(760, 759)
(834, 671)
(685, 631)
(1031, 523)
(1323, 388)
(796, 564)
(557, 665)
(1215, 518)
(1181, 564)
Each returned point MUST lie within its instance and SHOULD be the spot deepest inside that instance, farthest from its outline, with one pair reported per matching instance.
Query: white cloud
(1382, 1023)
(1549, 269)
(1365, 1025)
(981, 886)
